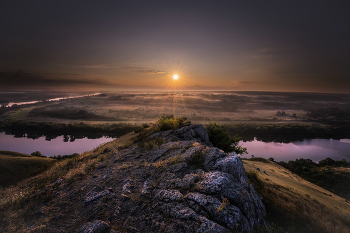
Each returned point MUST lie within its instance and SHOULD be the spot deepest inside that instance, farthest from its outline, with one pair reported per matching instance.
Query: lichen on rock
(183, 185)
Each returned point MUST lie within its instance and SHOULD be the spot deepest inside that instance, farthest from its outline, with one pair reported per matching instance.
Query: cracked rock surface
(183, 185)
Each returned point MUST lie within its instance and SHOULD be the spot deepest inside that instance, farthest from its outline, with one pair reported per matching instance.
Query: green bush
(167, 122)
(222, 139)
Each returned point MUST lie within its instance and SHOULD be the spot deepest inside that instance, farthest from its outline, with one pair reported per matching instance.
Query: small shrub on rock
(222, 139)
(167, 122)
(197, 159)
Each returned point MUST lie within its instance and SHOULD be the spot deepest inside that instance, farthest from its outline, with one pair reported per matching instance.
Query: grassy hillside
(15, 167)
(328, 173)
(294, 203)
(18, 203)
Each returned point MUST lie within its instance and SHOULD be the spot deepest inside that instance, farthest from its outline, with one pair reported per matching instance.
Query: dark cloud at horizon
(243, 45)
(24, 80)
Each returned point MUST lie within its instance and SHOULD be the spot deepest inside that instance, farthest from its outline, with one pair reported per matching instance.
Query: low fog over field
(201, 107)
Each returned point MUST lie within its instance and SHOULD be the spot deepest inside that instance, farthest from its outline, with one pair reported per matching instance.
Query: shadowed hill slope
(303, 204)
(15, 167)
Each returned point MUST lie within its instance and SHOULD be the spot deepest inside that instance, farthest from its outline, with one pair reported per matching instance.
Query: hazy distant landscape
(263, 116)
(139, 107)
(251, 114)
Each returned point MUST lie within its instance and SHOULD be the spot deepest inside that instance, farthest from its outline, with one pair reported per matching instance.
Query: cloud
(264, 53)
(144, 70)
(92, 66)
(97, 67)
(247, 82)
(23, 80)
(71, 74)
(208, 88)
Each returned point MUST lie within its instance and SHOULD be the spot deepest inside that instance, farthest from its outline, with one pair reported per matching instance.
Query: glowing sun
(175, 76)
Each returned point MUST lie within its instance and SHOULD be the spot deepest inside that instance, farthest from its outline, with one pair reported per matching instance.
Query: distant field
(18, 114)
(199, 107)
(15, 167)
(287, 194)
(267, 116)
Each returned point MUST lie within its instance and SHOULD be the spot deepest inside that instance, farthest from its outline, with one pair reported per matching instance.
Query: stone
(96, 226)
(186, 182)
(233, 165)
(127, 186)
(194, 132)
(147, 186)
(168, 195)
(211, 227)
(96, 195)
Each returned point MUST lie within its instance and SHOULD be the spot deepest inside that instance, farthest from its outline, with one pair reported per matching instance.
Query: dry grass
(70, 169)
(16, 166)
(320, 209)
(170, 161)
(18, 201)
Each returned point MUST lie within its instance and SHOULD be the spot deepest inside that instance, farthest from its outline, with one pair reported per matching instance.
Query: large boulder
(219, 189)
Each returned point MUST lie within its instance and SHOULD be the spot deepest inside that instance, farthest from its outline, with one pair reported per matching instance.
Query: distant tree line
(74, 114)
(331, 116)
(69, 131)
(287, 132)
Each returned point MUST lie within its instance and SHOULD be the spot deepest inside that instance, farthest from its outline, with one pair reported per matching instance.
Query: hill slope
(304, 202)
(15, 167)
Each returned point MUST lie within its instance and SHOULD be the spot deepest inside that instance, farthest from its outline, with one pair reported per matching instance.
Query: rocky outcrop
(215, 188)
(183, 185)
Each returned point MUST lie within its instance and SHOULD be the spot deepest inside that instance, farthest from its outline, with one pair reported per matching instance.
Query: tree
(37, 153)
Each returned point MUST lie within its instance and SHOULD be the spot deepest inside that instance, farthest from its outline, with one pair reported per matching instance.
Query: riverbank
(76, 130)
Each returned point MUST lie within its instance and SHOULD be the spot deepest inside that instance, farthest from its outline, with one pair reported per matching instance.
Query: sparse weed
(93, 156)
(90, 167)
(41, 228)
(224, 203)
(125, 166)
(102, 158)
(151, 144)
(197, 159)
(74, 174)
(176, 160)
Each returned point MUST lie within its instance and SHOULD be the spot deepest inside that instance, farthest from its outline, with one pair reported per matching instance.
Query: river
(49, 148)
(314, 149)
(54, 99)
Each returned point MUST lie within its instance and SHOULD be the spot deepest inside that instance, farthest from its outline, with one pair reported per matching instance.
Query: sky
(297, 46)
